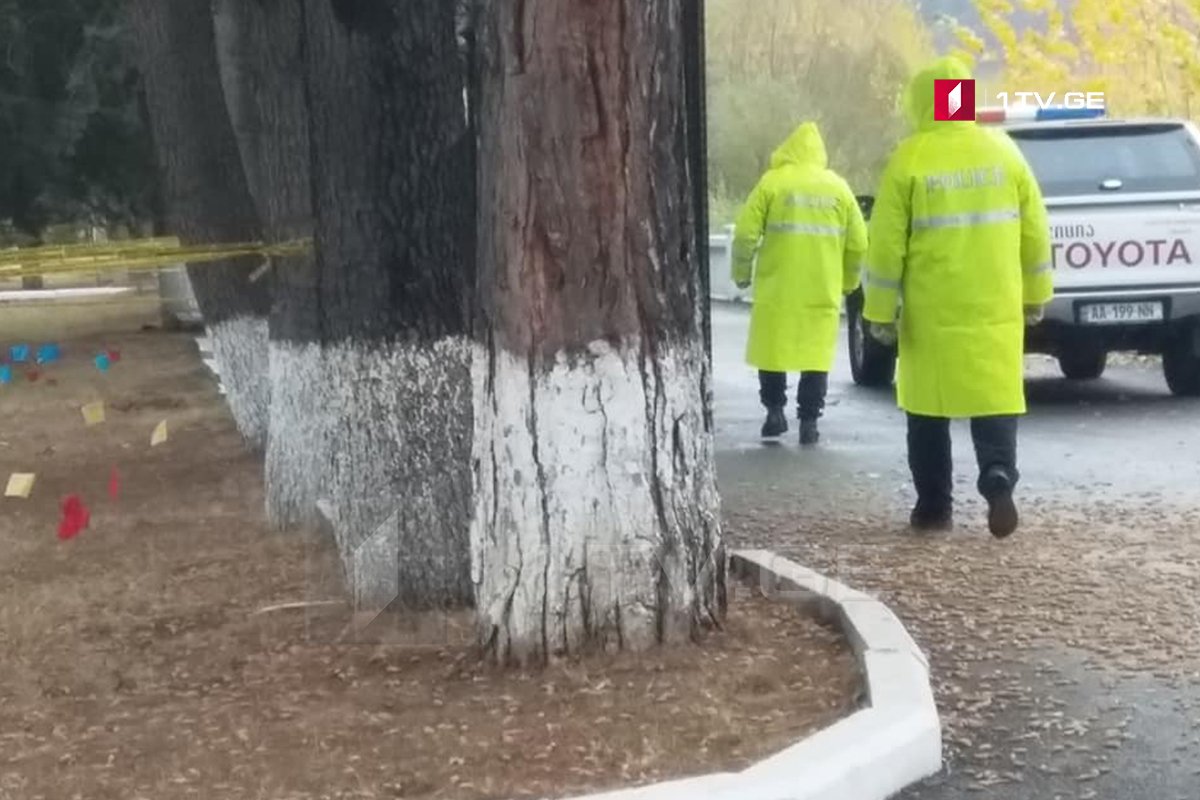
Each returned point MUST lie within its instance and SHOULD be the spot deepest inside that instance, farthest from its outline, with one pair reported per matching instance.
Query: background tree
(393, 188)
(596, 513)
(841, 64)
(1143, 54)
(262, 68)
(73, 146)
(206, 192)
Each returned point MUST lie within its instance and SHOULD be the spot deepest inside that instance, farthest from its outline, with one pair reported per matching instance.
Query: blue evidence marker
(48, 354)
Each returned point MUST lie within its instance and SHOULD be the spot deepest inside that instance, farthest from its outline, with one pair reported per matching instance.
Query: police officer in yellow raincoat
(958, 265)
(805, 226)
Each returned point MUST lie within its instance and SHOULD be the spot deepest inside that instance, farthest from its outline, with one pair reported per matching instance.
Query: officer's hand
(743, 285)
(885, 334)
(1034, 315)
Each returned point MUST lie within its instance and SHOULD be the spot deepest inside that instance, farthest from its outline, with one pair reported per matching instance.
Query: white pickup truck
(1124, 203)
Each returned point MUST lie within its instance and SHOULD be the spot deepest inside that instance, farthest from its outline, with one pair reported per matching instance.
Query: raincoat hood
(804, 147)
(918, 100)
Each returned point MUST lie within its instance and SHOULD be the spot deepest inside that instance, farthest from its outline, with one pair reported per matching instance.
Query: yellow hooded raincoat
(807, 230)
(959, 245)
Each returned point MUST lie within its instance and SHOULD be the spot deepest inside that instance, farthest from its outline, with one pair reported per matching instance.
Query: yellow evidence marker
(160, 434)
(93, 413)
(20, 484)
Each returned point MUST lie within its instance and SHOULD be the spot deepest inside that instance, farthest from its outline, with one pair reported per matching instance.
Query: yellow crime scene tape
(133, 255)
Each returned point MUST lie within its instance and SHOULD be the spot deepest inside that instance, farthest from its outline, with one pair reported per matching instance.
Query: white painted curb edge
(874, 753)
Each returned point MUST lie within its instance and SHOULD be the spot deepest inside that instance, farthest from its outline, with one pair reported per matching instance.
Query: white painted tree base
(296, 463)
(596, 512)
(870, 755)
(382, 433)
(239, 348)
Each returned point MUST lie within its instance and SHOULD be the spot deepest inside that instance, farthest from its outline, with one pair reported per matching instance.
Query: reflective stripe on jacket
(959, 245)
(804, 224)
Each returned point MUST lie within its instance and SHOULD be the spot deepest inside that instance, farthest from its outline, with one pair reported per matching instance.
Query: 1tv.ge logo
(954, 100)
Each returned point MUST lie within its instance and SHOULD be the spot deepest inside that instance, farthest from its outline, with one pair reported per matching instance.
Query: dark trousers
(810, 393)
(929, 456)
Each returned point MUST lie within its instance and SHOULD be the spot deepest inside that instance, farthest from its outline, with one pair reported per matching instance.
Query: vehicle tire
(1082, 364)
(872, 364)
(1181, 365)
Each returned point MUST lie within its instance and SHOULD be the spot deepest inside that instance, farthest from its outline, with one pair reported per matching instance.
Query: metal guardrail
(720, 283)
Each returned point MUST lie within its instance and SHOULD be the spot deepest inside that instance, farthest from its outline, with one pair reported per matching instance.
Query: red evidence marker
(75, 517)
(114, 484)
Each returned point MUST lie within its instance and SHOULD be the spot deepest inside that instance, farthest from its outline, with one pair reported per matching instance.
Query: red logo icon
(954, 101)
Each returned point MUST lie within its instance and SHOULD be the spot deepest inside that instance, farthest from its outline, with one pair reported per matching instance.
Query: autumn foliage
(1143, 54)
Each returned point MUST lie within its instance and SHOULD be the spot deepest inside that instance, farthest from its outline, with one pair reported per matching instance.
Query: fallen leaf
(160, 434)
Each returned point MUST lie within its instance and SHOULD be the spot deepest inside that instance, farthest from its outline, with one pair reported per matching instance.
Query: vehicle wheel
(871, 363)
(1082, 365)
(1181, 364)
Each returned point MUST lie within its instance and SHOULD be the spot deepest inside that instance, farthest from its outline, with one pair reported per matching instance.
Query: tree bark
(259, 48)
(206, 194)
(393, 180)
(696, 113)
(596, 513)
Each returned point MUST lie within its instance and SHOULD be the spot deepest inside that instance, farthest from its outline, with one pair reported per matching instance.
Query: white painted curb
(870, 755)
(34, 295)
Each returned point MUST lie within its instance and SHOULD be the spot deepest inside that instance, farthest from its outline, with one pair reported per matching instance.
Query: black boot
(809, 435)
(931, 521)
(996, 486)
(776, 424)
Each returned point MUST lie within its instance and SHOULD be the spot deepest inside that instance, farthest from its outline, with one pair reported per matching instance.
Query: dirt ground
(134, 664)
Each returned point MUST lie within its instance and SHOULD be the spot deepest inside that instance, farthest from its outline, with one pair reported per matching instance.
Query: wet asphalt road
(1067, 660)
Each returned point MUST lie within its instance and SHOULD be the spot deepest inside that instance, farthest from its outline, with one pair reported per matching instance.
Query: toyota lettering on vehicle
(1127, 253)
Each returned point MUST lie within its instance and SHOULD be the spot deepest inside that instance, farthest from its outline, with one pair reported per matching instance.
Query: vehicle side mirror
(865, 202)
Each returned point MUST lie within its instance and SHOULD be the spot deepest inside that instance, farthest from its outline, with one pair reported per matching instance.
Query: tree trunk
(206, 193)
(262, 67)
(596, 512)
(393, 179)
